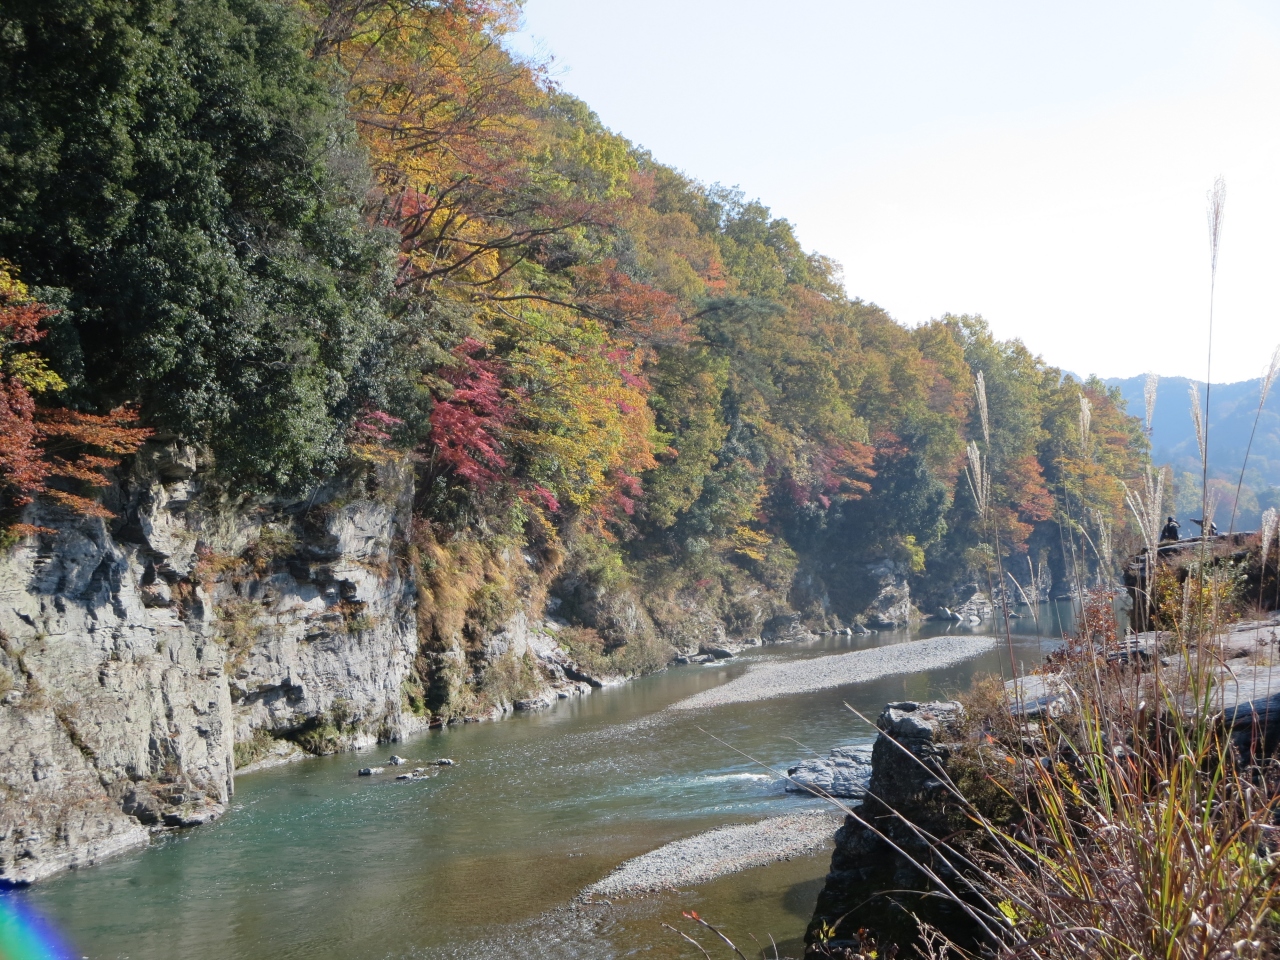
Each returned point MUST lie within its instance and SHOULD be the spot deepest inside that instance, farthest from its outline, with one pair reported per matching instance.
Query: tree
(48, 451)
(184, 174)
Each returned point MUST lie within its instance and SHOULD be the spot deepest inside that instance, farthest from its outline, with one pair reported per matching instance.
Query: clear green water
(485, 858)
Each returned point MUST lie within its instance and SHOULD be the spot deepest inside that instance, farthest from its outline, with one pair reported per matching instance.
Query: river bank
(312, 861)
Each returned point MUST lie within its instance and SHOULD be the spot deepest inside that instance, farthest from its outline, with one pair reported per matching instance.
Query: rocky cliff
(141, 655)
(145, 657)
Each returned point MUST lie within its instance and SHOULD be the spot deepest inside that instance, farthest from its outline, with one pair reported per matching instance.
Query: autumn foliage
(660, 362)
(467, 421)
(434, 253)
(42, 448)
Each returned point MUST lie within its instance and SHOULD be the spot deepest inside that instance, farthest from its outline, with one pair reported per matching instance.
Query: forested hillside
(308, 236)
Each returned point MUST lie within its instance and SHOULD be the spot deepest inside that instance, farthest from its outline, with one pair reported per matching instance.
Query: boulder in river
(546, 699)
(369, 771)
(844, 772)
(785, 628)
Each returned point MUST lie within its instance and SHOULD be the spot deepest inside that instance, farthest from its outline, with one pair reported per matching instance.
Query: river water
(485, 858)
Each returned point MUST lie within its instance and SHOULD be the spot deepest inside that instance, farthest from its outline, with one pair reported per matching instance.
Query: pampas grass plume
(980, 388)
(1196, 418)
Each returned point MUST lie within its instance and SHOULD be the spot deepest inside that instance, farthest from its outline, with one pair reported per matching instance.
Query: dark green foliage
(180, 169)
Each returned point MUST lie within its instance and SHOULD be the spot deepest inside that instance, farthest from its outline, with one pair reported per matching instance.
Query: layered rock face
(871, 885)
(892, 604)
(137, 652)
(147, 656)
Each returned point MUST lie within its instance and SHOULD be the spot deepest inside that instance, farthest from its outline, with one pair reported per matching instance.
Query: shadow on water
(314, 862)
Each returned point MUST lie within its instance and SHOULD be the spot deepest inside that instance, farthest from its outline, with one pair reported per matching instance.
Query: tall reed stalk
(1264, 388)
(1217, 207)
(1269, 523)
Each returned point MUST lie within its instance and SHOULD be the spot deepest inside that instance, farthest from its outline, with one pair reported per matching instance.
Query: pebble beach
(767, 680)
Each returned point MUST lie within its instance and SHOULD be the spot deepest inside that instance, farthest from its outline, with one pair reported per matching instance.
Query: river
(484, 859)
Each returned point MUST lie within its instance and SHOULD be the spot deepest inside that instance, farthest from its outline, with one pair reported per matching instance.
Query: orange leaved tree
(48, 451)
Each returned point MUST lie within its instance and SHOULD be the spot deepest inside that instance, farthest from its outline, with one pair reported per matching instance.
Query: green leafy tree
(187, 177)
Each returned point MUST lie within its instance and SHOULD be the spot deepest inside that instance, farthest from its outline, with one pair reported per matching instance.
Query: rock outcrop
(785, 628)
(140, 655)
(975, 610)
(871, 885)
(892, 604)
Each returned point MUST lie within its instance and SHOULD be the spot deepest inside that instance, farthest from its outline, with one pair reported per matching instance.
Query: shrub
(509, 678)
(255, 748)
(329, 732)
(1192, 598)
(640, 655)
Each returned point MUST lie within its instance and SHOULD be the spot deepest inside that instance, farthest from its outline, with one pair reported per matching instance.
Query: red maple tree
(39, 444)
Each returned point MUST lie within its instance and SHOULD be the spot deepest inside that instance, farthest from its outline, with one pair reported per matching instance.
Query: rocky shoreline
(874, 881)
(145, 661)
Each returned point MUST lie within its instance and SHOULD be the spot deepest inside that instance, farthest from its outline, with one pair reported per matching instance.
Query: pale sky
(1043, 165)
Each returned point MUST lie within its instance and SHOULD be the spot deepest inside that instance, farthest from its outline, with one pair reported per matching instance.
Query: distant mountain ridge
(1232, 407)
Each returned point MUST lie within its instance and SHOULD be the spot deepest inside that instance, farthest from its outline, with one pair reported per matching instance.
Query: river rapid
(486, 858)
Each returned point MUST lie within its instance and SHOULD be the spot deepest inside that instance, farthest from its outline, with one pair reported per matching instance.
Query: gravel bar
(719, 852)
(766, 680)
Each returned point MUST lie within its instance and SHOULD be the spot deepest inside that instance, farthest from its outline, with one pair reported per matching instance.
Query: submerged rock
(539, 702)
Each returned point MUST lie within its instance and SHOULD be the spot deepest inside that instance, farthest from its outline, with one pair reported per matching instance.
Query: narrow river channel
(485, 858)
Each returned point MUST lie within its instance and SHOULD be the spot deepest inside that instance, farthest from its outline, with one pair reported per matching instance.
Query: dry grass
(274, 543)
(467, 587)
(238, 628)
(1141, 834)
(255, 748)
(641, 655)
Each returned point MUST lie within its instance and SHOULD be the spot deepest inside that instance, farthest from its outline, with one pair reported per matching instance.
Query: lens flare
(25, 935)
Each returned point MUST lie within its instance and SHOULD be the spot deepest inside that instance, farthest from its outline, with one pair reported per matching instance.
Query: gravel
(766, 680)
(719, 852)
